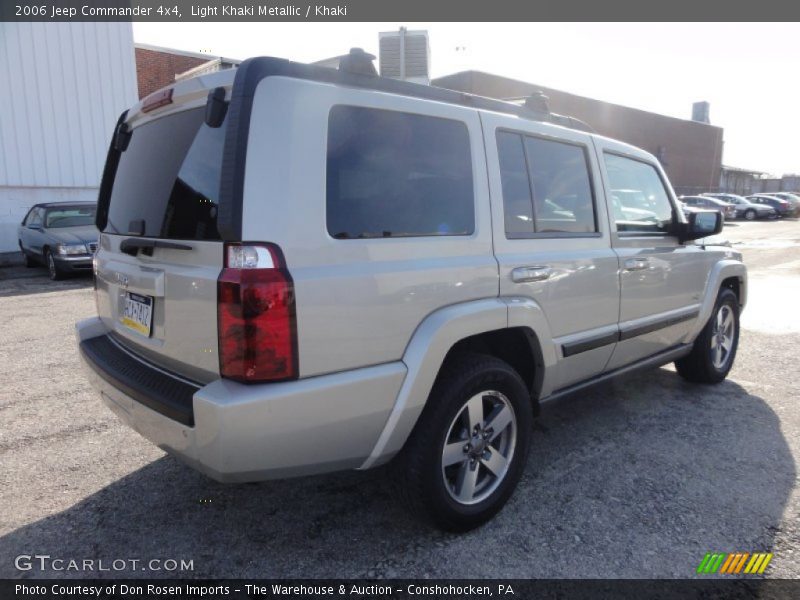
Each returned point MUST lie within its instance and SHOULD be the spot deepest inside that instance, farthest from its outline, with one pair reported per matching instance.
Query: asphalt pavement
(638, 478)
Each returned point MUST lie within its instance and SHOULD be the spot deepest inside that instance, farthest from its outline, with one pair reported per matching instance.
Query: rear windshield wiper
(133, 245)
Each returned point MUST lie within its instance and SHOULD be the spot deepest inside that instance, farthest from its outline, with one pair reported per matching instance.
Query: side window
(546, 186)
(517, 203)
(35, 217)
(394, 174)
(562, 192)
(639, 201)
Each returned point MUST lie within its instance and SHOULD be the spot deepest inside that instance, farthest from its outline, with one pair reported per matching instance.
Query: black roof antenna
(359, 62)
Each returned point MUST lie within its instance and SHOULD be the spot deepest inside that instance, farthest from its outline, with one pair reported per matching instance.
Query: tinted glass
(517, 204)
(562, 192)
(639, 201)
(169, 177)
(393, 174)
(69, 216)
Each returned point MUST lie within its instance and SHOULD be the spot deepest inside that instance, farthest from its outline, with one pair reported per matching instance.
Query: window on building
(546, 186)
(394, 174)
(639, 200)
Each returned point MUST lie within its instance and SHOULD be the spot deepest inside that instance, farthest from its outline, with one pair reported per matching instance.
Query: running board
(651, 362)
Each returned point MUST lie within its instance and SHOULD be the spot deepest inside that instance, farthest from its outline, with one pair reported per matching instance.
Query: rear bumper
(238, 432)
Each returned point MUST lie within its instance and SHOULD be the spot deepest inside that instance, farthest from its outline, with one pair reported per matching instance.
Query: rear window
(393, 174)
(169, 177)
(69, 216)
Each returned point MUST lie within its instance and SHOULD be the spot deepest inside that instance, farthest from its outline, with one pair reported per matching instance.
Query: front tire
(52, 268)
(468, 451)
(714, 350)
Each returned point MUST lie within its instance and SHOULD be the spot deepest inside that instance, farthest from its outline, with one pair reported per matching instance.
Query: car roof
(52, 204)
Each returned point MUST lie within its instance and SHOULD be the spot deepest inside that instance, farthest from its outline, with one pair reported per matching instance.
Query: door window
(546, 185)
(639, 200)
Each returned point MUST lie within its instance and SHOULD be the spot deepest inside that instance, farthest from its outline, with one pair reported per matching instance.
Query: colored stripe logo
(734, 563)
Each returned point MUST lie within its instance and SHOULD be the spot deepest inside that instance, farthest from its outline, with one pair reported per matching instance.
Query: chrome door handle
(527, 274)
(637, 264)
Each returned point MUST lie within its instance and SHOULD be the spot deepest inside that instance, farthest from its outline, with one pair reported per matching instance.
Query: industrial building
(65, 85)
(157, 67)
(690, 151)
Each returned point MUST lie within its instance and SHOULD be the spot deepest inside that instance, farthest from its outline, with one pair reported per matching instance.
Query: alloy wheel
(479, 447)
(723, 332)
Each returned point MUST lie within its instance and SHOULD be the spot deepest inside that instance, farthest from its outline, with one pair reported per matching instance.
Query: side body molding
(722, 270)
(426, 352)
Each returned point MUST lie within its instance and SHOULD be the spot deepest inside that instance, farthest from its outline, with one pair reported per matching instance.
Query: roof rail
(353, 71)
(254, 70)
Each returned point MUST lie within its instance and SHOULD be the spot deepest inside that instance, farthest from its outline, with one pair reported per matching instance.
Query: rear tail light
(256, 315)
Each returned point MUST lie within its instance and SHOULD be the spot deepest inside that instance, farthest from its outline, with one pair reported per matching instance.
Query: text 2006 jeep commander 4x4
(304, 270)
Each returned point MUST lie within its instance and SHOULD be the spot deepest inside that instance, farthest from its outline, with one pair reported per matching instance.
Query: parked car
(60, 236)
(283, 292)
(728, 210)
(744, 208)
(792, 199)
(783, 208)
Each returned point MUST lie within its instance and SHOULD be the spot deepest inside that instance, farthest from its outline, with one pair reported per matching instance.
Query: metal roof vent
(358, 62)
(538, 102)
(405, 55)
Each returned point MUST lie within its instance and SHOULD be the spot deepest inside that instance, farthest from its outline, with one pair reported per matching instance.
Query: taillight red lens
(256, 317)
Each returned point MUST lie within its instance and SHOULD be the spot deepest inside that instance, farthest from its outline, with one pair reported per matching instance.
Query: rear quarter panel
(358, 301)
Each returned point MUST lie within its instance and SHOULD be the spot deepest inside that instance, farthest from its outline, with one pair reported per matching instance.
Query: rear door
(160, 252)
(551, 237)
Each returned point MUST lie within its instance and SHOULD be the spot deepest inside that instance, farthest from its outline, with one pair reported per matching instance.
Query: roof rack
(356, 69)
(355, 74)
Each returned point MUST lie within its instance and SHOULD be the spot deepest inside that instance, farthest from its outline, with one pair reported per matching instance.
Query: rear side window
(394, 174)
(169, 177)
(639, 200)
(546, 186)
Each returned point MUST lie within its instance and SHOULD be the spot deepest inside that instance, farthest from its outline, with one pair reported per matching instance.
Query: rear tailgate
(180, 334)
(160, 253)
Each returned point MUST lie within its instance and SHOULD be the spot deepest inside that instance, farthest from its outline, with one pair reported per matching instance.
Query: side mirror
(700, 224)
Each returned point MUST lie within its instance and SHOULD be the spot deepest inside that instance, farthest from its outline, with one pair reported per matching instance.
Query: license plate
(137, 313)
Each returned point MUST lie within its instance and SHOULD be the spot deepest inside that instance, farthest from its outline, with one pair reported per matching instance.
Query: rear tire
(749, 215)
(714, 350)
(52, 267)
(469, 448)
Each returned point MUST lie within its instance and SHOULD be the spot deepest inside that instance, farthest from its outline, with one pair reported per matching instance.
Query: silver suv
(305, 270)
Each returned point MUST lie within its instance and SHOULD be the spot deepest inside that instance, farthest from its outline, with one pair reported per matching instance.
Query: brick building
(690, 151)
(157, 67)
